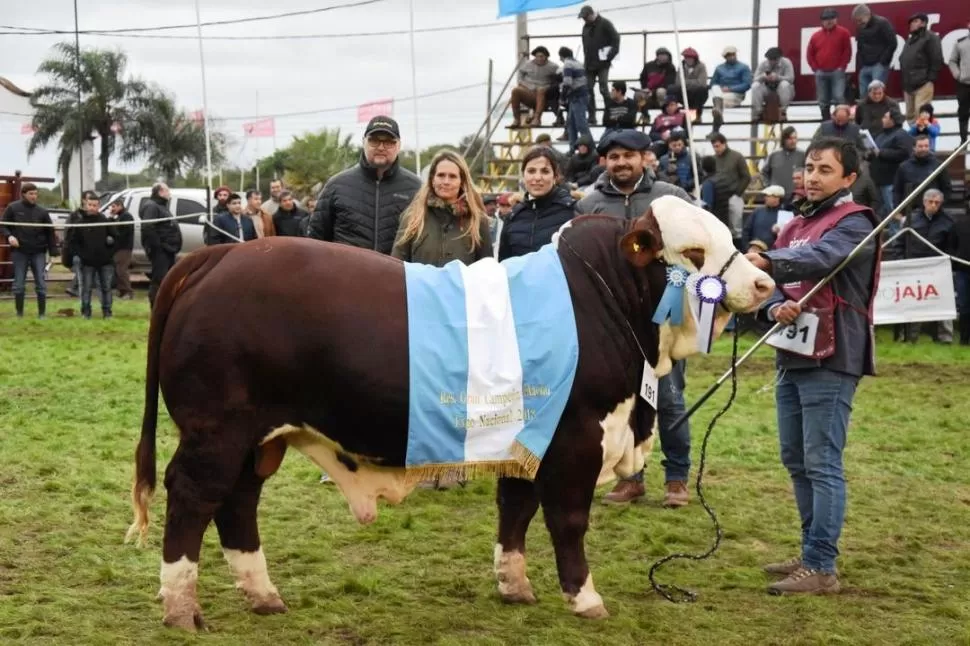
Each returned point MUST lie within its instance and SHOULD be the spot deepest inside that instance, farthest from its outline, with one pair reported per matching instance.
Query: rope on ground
(929, 244)
(668, 591)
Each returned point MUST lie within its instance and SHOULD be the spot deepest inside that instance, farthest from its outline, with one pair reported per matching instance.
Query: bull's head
(680, 234)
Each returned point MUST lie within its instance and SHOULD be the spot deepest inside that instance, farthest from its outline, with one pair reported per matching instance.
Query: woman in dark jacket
(446, 220)
(546, 207)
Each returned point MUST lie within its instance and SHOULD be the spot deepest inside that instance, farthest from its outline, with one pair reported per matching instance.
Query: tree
(168, 139)
(314, 158)
(107, 98)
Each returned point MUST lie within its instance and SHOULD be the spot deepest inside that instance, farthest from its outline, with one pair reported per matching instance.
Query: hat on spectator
(586, 11)
(222, 189)
(829, 14)
(544, 138)
(489, 198)
(730, 49)
(774, 191)
(919, 15)
(629, 139)
(690, 52)
(503, 199)
(383, 124)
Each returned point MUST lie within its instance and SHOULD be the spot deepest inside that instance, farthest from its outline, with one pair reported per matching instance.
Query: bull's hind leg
(567, 479)
(200, 476)
(238, 528)
(517, 504)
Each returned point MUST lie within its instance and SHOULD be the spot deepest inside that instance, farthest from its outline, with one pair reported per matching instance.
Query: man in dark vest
(823, 351)
(161, 236)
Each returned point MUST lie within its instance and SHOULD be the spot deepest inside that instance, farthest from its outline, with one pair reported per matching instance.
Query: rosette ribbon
(709, 291)
(671, 306)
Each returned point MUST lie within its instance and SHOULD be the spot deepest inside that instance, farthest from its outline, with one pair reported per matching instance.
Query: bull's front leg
(568, 479)
(517, 504)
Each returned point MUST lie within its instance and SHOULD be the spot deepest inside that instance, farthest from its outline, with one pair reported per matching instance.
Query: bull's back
(294, 331)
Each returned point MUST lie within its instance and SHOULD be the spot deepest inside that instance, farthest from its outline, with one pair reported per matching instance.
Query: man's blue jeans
(830, 88)
(576, 123)
(37, 263)
(813, 414)
(103, 275)
(888, 202)
(674, 442)
(870, 73)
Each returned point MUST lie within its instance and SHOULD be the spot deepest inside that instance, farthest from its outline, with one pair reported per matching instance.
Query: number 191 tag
(799, 337)
(648, 385)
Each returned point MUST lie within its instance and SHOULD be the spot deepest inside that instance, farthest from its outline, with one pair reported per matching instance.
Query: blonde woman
(446, 220)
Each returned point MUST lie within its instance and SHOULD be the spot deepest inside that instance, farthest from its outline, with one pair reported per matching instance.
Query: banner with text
(262, 128)
(915, 290)
(382, 108)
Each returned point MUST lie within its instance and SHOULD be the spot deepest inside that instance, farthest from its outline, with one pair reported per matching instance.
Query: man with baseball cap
(626, 190)
(920, 62)
(362, 205)
(828, 55)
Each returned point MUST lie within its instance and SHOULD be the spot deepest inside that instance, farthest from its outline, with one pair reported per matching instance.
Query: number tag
(648, 386)
(799, 337)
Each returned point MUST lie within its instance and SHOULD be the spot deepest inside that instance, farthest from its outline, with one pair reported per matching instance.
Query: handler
(823, 351)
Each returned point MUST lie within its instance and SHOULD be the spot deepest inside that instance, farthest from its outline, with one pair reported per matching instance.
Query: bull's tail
(143, 486)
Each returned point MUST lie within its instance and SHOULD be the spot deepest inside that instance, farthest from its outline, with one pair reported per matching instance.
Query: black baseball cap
(586, 11)
(383, 124)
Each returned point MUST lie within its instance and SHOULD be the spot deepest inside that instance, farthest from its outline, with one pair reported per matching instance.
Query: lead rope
(668, 591)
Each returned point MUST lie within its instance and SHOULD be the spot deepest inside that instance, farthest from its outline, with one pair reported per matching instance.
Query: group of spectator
(570, 91)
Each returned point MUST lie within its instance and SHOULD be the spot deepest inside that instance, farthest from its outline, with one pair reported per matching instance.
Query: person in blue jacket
(733, 78)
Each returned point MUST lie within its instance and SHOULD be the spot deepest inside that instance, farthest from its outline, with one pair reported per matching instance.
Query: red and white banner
(261, 128)
(915, 290)
(27, 129)
(382, 108)
(198, 117)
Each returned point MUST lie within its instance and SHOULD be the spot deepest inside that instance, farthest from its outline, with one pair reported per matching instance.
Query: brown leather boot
(624, 492)
(805, 581)
(785, 568)
(676, 494)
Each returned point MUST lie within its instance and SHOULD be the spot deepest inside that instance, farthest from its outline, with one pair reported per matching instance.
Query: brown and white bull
(334, 385)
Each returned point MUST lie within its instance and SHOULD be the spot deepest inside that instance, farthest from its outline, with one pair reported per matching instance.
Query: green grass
(70, 409)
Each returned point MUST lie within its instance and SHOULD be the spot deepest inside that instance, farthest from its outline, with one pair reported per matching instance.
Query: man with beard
(780, 165)
(273, 203)
(289, 217)
(914, 171)
(161, 236)
(626, 190)
(362, 205)
(819, 372)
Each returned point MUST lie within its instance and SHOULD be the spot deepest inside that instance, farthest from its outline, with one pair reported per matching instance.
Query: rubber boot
(19, 304)
(41, 306)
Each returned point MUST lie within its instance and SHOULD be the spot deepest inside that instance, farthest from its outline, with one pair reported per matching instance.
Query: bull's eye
(695, 256)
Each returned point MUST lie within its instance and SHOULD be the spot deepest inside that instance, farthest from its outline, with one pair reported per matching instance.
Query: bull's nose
(764, 287)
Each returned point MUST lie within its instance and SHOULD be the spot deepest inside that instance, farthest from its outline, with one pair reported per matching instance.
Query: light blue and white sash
(492, 356)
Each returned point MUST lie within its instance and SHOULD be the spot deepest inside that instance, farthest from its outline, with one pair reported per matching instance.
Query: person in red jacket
(829, 53)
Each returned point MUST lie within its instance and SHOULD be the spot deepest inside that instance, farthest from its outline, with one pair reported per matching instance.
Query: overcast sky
(250, 77)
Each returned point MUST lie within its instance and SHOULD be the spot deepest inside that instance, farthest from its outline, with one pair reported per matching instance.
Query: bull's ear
(639, 247)
(643, 242)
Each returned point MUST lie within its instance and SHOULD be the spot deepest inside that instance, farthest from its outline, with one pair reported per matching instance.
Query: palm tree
(167, 138)
(106, 98)
(314, 158)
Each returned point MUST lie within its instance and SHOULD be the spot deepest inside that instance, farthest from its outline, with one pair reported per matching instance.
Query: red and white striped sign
(382, 108)
(261, 128)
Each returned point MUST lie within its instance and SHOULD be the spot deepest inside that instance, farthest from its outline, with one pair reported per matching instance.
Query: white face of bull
(689, 233)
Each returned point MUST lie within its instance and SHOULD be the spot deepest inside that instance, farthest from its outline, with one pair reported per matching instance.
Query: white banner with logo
(915, 290)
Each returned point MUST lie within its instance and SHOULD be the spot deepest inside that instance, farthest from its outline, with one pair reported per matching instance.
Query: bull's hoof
(270, 606)
(523, 596)
(190, 622)
(596, 612)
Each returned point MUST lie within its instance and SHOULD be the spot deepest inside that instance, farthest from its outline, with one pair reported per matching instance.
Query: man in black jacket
(93, 244)
(29, 245)
(601, 44)
(912, 172)
(919, 63)
(289, 217)
(161, 236)
(876, 43)
(124, 243)
(362, 205)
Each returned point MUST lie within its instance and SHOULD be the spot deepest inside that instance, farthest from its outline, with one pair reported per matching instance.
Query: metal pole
(521, 35)
(414, 92)
(80, 120)
(755, 59)
(488, 113)
(869, 238)
(683, 86)
(205, 111)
